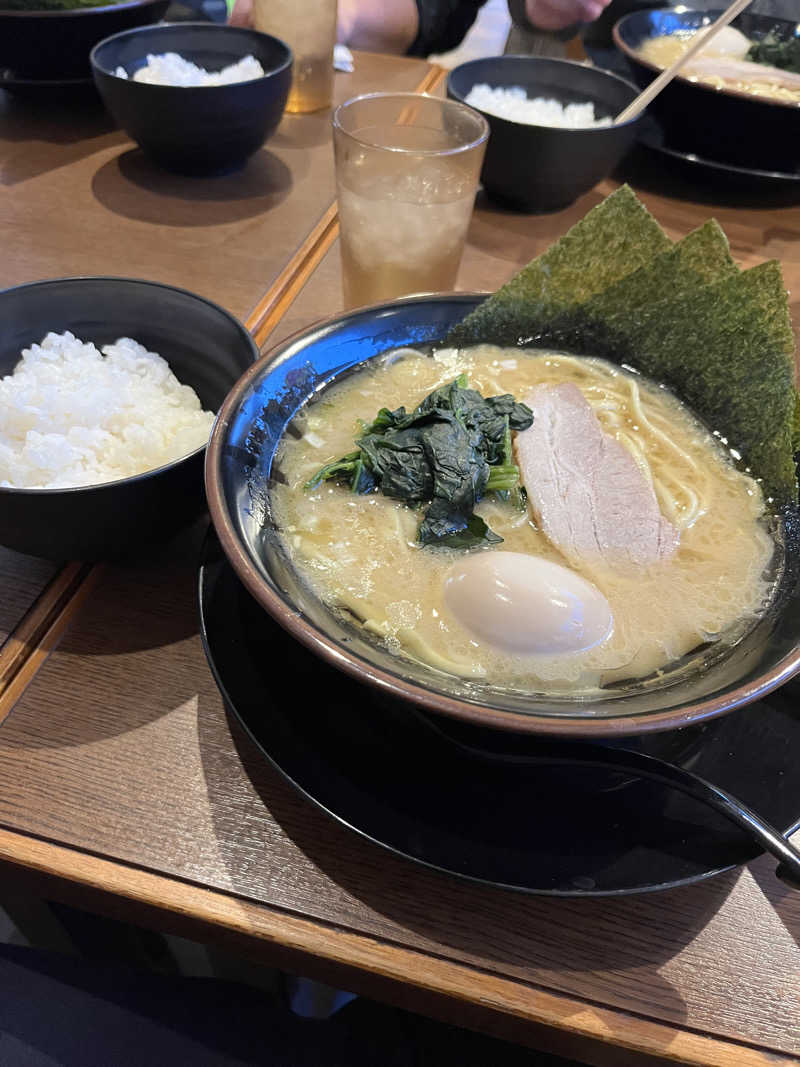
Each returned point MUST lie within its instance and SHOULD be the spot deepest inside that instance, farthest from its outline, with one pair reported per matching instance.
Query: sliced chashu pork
(585, 489)
(740, 70)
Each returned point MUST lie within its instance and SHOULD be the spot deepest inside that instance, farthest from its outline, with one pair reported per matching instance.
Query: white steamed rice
(513, 104)
(71, 415)
(172, 69)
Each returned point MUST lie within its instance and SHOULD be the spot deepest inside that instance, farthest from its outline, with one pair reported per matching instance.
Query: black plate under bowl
(727, 125)
(48, 89)
(448, 796)
(652, 136)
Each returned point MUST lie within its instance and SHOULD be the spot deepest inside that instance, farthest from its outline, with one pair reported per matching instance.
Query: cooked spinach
(776, 52)
(454, 447)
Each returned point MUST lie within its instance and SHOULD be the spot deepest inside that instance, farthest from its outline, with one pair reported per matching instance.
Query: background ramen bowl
(55, 45)
(544, 168)
(203, 129)
(206, 347)
(723, 125)
(241, 461)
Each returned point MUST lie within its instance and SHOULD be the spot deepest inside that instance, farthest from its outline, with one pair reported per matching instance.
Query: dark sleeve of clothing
(443, 24)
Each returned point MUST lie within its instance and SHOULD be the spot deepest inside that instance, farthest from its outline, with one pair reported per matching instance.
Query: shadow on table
(132, 186)
(784, 901)
(516, 237)
(80, 128)
(304, 131)
(137, 606)
(558, 943)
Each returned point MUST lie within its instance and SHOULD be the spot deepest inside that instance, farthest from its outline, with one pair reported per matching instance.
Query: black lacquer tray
(480, 804)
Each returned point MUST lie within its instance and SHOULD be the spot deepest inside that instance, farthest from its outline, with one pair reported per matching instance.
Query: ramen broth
(360, 555)
(721, 68)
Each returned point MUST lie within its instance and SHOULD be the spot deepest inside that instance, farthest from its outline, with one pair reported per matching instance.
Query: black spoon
(650, 767)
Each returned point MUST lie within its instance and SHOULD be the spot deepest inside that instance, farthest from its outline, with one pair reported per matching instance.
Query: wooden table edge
(382, 970)
(38, 631)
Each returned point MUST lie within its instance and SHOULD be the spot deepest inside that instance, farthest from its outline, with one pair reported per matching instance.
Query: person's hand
(558, 14)
(242, 14)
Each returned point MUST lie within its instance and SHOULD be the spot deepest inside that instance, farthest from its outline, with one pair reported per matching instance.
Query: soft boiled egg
(728, 42)
(522, 604)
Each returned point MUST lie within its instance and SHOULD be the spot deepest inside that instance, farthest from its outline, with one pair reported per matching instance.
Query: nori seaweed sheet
(685, 316)
(701, 258)
(615, 237)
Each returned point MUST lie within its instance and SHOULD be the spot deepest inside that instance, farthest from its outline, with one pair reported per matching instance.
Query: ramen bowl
(241, 468)
(725, 125)
(55, 45)
(205, 347)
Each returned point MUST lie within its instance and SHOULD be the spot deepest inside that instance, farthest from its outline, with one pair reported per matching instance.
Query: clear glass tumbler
(309, 28)
(407, 168)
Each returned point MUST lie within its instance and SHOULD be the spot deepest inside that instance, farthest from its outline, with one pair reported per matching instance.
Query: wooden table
(126, 789)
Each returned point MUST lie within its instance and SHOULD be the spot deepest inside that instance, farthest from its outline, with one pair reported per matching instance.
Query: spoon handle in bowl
(587, 754)
(762, 832)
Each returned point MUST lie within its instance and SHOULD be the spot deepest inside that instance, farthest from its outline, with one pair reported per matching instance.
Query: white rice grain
(172, 69)
(72, 415)
(513, 104)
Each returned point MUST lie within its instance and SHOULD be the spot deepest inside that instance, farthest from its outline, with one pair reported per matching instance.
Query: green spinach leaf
(448, 452)
(775, 52)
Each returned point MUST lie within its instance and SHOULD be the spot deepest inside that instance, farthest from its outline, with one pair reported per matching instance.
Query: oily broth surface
(360, 552)
(664, 50)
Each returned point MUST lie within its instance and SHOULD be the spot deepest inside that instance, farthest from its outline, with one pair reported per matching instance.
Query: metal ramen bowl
(725, 125)
(240, 469)
(55, 45)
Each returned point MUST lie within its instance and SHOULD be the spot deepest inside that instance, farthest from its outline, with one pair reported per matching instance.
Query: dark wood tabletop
(128, 790)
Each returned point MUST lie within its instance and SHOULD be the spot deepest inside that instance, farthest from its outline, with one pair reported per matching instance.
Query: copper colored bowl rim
(395, 685)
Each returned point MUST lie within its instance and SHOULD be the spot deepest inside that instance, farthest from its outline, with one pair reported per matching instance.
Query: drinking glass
(309, 28)
(407, 167)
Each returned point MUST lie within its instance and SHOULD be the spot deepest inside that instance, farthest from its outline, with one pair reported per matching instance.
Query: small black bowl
(204, 129)
(545, 168)
(726, 126)
(206, 347)
(55, 45)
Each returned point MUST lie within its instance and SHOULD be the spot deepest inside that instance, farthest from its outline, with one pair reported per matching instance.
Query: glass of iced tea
(309, 28)
(407, 168)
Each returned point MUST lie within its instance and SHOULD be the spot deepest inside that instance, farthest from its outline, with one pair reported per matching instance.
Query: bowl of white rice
(198, 98)
(108, 392)
(551, 121)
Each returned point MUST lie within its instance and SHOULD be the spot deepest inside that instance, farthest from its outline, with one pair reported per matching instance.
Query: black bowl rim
(511, 125)
(315, 639)
(214, 27)
(734, 94)
(123, 5)
(144, 475)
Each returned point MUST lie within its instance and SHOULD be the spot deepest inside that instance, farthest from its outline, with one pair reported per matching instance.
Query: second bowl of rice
(197, 97)
(108, 392)
(552, 136)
